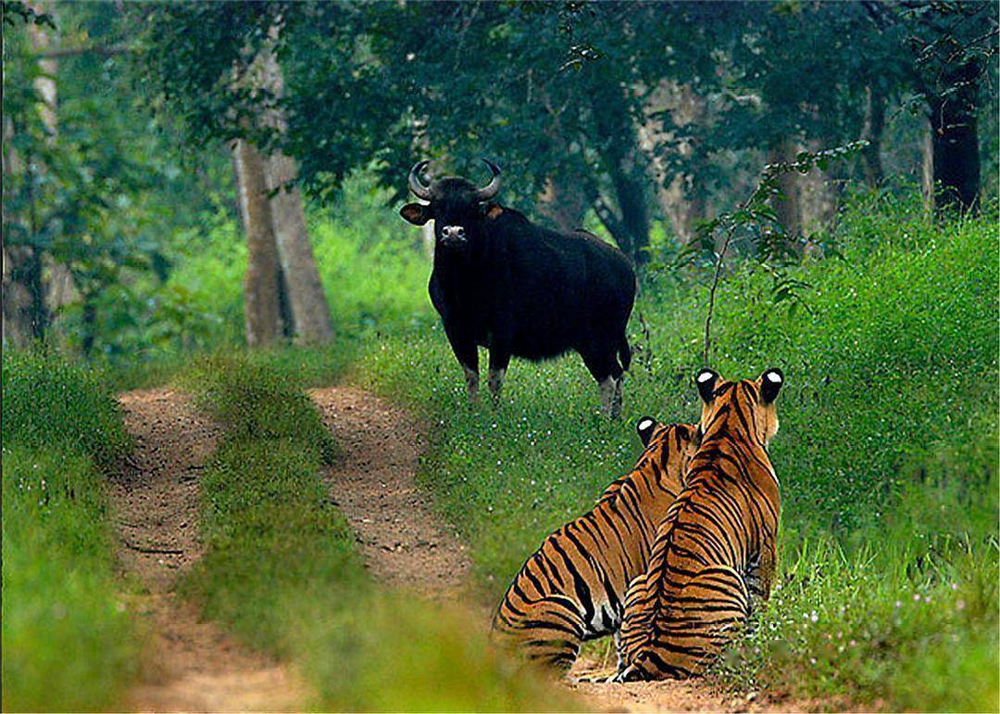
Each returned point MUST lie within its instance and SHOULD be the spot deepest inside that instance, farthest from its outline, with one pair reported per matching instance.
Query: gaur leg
(605, 369)
(467, 354)
(499, 359)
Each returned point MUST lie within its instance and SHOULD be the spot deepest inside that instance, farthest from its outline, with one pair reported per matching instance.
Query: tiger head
(671, 446)
(747, 406)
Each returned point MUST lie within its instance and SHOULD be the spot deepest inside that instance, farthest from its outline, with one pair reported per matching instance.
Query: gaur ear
(490, 210)
(646, 426)
(770, 384)
(416, 213)
(706, 380)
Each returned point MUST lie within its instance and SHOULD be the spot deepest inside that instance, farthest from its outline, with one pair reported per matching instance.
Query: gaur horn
(417, 186)
(493, 187)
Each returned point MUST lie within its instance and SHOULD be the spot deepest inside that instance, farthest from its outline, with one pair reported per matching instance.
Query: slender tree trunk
(309, 308)
(873, 130)
(16, 298)
(786, 205)
(261, 288)
(59, 287)
(957, 175)
(927, 167)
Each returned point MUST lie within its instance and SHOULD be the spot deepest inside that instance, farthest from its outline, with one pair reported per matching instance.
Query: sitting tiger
(716, 548)
(573, 588)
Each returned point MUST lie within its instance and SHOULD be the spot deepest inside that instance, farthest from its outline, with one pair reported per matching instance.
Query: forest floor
(193, 665)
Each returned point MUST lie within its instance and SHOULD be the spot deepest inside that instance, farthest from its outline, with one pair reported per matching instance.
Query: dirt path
(189, 665)
(373, 484)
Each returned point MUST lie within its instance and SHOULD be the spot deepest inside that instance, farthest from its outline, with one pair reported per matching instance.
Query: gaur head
(458, 207)
(750, 401)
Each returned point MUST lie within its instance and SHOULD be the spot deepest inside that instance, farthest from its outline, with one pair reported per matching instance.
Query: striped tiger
(572, 589)
(715, 551)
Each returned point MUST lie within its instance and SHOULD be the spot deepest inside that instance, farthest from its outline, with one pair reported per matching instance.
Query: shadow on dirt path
(189, 665)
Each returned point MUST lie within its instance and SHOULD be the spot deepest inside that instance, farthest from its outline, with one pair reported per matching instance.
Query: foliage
(281, 567)
(50, 403)
(885, 383)
(62, 608)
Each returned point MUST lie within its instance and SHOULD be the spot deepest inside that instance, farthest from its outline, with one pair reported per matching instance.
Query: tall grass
(886, 452)
(68, 642)
(282, 571)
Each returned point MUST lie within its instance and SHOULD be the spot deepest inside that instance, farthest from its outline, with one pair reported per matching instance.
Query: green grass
(887, 449)
(68, 642)
(281, 569)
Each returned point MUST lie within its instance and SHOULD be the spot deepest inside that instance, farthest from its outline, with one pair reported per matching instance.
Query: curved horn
(417, 186)
(493, 187)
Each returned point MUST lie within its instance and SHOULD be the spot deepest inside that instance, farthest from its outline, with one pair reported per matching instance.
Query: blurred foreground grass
(68, 642)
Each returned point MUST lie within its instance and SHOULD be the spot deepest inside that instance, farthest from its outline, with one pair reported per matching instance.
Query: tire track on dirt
(189, 664)
(373, 484)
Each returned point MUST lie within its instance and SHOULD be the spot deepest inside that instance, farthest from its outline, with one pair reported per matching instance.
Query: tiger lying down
(573, 588)
(713, 553)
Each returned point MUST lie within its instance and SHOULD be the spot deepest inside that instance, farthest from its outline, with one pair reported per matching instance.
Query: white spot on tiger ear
(645, 424)
(704, 377)
(774, 377)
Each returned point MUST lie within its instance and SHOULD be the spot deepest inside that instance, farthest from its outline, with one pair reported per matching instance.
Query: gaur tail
(624, 352)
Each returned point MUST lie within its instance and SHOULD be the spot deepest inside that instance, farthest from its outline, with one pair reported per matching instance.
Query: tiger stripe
(572, 589)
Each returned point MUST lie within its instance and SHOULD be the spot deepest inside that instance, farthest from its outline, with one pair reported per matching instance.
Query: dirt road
(193, 665)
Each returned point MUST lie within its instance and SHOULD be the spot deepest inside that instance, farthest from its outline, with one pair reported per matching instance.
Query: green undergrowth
(68, 642)
(886, 454)
(281, 568)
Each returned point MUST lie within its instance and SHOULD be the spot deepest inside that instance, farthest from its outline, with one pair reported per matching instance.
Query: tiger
(715, 553)
(572, 589)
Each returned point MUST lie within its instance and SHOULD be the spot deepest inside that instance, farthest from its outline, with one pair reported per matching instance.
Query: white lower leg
(471, 382)
(616, 400)
(608, 389)
(494, 380)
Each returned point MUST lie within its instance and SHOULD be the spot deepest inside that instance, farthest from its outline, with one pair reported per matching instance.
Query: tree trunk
(786, 205)
(59, 287)
(565, 204)
(873, 130)
(623, 163)
(309, 308)
(261, 288)
(927, 167)
(956, 142)
(680, 198)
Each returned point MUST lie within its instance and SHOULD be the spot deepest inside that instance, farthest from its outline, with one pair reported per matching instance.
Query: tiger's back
(715, 551)
(572, 588)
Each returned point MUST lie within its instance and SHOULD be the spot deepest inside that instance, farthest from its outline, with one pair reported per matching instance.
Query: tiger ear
(646, 426)
(770, 384)
(706, 380)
